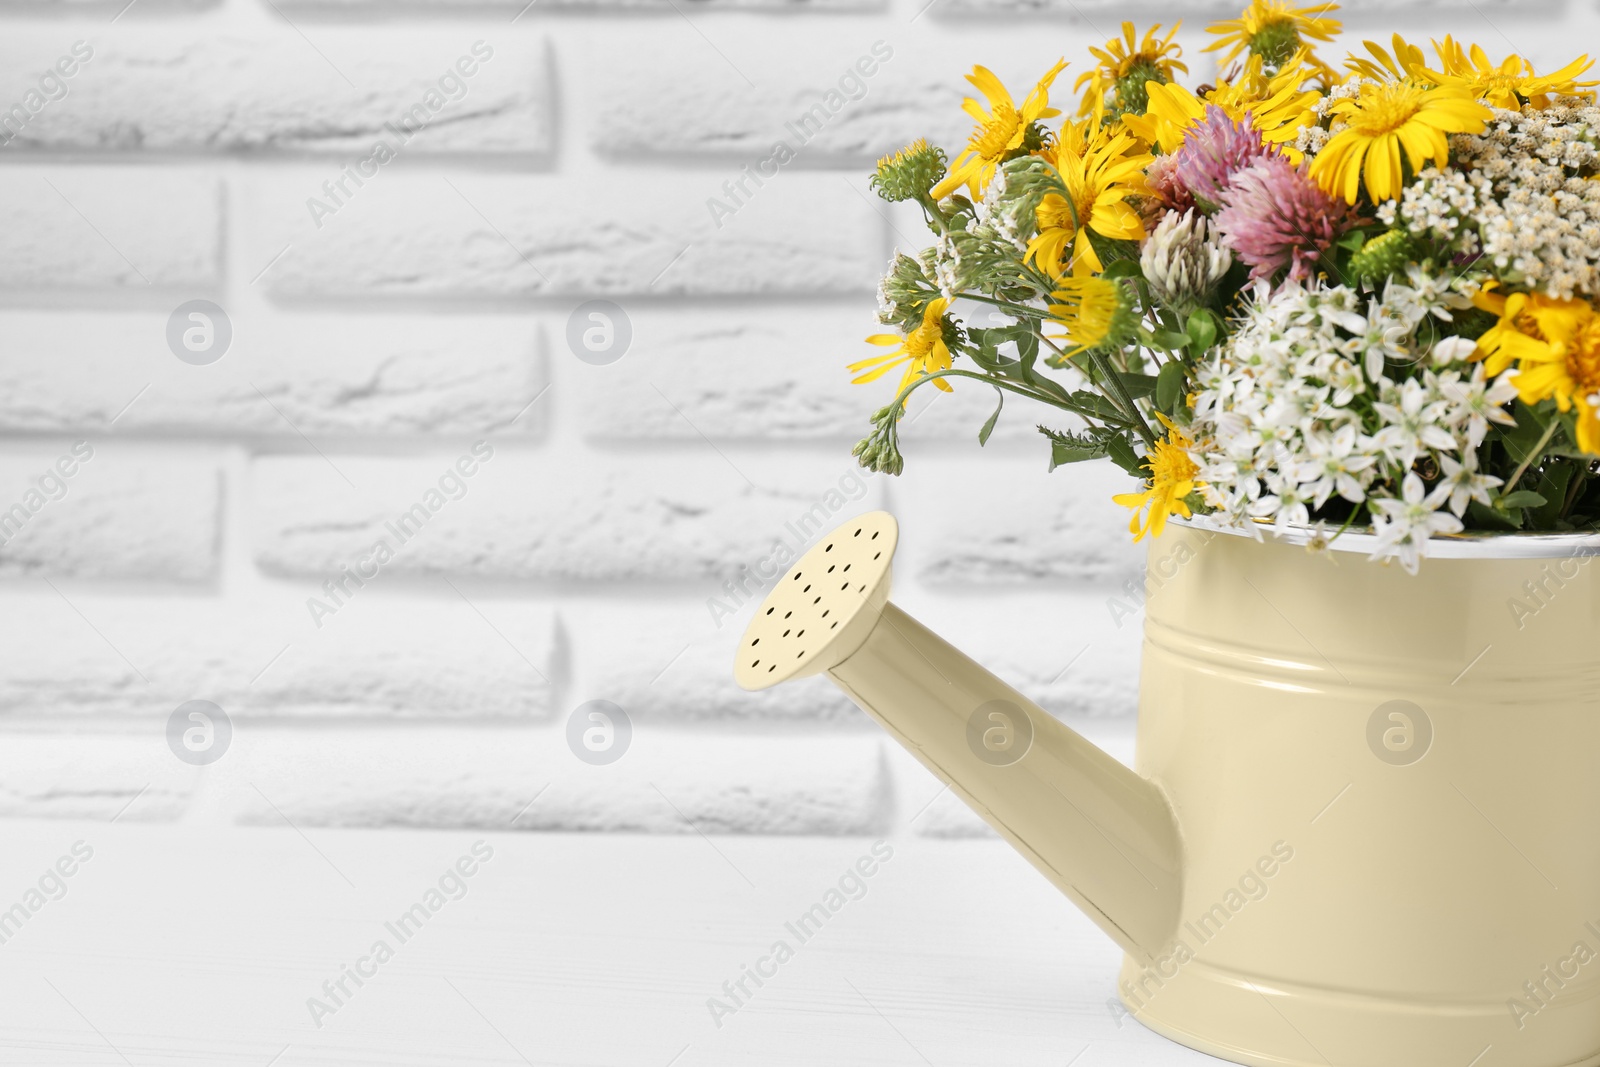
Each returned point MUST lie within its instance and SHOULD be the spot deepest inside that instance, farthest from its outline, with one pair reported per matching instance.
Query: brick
(270, 92)
(548, 517)
(106, 776)
(609, 233)
(808, 96)
(627, 6)
(799, 388)
(382, 654)
(1071, 654)
(675, 664)
(1008, 521)
(121, 514)
(283, 375)
(104, 228)
(665, 782)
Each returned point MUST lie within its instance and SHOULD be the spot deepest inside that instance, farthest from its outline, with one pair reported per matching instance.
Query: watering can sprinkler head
(1102, 834)
(824, 608)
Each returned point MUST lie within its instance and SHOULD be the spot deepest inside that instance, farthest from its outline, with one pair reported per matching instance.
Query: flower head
(1556, 347)
(909, 173)
(1172, 477)
(1183, 262)
(922, 351)
(904, 292)
(1277, 107)
(1095, 313)
(1389, 123)
(1273, 30)
(1275, 218)
(1404, 525)
(1100, 169)
(1512, 82)
(1126, 64)
(1001, 132)
(1215, 149)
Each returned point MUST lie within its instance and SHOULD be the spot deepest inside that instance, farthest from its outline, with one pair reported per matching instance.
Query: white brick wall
(421, 307)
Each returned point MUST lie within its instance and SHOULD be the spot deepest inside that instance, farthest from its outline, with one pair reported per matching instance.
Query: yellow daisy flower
(1510, 83)
(1389, 122)
(1274, 31)
(1407, 61)
(1127, 58)
(1555, 344)
(922, 351)
(1088, 309)
(1000, 131)
(1278, 107)
(1172, 477)
(1101, 169)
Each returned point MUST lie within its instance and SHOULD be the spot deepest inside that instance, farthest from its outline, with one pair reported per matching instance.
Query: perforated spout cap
(821, 611)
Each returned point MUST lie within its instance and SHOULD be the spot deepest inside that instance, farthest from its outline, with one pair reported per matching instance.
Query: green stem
(1002, 383)
(1019, 309)
(1123, 397)
(1579, 476)
(1533, 455)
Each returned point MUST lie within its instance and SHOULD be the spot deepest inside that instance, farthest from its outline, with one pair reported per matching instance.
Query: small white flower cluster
(1311, 139)
(1538, 216)
(1321, 392)
(1441, 206)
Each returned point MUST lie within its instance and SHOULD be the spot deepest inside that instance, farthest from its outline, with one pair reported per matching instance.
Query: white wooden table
(182, 945)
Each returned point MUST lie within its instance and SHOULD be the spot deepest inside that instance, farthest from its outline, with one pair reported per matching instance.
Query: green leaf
(1171, 385)
(1202, 330)
(1491, 519)
(1170, 340)
(1353, 240)
(1123, 455)
(1139, 385)
(988, 427)
(1097, 405)
(1553, 487)
(1522, 498)
(1123, 268)
(1523, 438)
(1061, 455)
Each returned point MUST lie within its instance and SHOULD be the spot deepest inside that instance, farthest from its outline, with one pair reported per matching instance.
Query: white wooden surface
(182, 945)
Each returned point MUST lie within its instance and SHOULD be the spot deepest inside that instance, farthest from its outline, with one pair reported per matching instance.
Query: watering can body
(1364, 825)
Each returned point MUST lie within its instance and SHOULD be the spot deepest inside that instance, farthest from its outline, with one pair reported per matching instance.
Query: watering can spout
(1102, 834)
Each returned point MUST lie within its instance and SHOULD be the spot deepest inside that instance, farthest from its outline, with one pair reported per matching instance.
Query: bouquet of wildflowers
(1301, 297)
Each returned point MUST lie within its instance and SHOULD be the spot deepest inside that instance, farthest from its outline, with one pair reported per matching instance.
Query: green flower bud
(1276, 42)
(910, 172)
(1385, 255)
(904, 292)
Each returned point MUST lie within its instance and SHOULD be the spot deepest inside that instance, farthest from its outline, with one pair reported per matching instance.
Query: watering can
(1364, 828)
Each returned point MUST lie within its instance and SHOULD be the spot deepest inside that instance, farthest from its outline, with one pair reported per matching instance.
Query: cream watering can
(1365, 827)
